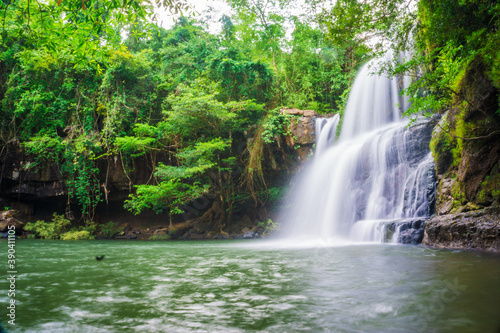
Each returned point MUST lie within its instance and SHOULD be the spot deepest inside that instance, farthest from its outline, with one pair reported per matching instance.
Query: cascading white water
(374, 174)
(326, 130)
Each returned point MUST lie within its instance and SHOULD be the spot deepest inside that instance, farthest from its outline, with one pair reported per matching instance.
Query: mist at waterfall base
(375, 183)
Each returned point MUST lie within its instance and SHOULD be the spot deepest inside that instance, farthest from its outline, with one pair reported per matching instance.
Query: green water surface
(252, 286)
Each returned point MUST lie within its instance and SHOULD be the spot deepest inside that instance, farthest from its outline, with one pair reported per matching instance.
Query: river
(250, 286)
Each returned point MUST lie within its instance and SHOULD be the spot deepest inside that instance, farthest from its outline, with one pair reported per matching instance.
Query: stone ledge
(297, 112)
(471, 230)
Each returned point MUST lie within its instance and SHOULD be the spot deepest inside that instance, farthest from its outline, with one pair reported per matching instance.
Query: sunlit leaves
(351, 23)
(87, 25)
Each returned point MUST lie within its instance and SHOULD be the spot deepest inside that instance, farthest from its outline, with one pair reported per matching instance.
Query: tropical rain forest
(261, 139)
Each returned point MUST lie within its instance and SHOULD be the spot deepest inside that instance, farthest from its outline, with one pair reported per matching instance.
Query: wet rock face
(468, 171)
(303, 127)
(303, 131)
(445, 199)
(21, 179)
(443, 157)
(467, 200)
(477, 230)
(476, 163)
(411, 236)
(37, 189)
(473, 180)
(464, 190)
(409, 231)
(419, 137)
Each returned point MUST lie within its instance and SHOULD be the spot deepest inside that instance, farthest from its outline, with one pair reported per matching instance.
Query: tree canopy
(83, 82)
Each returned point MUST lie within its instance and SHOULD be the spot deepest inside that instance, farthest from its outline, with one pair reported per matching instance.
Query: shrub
(49, 230)
(58, 229)
(160, 237)
(110, 229)
(75, 234)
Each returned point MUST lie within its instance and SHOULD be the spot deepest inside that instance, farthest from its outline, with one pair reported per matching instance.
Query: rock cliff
(466, 149)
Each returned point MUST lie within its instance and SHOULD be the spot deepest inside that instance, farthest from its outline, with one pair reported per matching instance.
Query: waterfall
(326, 130)
(376, 181)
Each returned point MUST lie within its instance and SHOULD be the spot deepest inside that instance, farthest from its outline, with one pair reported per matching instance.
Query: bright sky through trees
(211, 11)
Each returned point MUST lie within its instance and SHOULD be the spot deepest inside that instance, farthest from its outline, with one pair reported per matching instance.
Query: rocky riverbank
(470, 230)
(256, 223)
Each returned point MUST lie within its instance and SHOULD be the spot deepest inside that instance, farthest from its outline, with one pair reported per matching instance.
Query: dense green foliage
(84, 84)
(447, 51)
(442, 39)
(61, 228)
(58, 229)
(110, 229)
(452, 53)
(49, 230)
(76, 94)
(462, 75)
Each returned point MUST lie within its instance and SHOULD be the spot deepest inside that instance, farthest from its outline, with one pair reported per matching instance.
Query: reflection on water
(236, 287)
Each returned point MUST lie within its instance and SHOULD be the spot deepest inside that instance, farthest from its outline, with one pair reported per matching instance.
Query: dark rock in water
(476, 229)
(431, 188)
(411, 236)
(407, 231)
